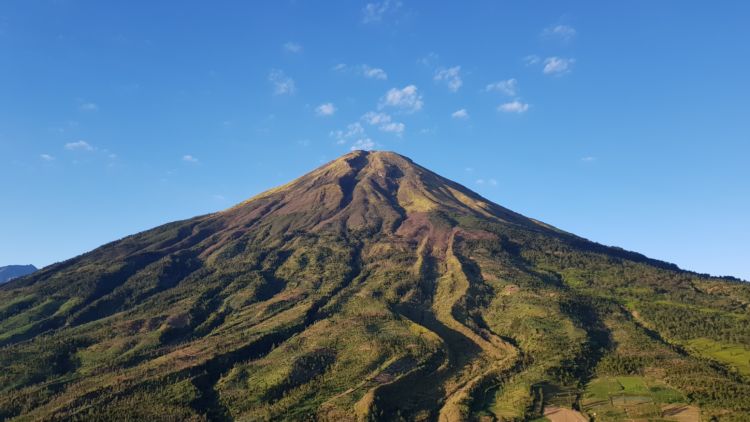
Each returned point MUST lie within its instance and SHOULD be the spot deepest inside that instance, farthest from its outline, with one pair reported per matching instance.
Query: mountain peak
(372, 190)
(368, 289)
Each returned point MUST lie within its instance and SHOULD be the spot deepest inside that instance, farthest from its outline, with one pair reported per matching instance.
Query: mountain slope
(370, 288)
(10, 272)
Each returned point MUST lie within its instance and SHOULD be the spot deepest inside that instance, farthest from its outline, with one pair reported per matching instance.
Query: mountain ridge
(10, 272)
(368, 289)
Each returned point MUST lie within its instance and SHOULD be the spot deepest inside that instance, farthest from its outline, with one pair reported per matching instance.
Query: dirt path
(562, 414)
(681, 413)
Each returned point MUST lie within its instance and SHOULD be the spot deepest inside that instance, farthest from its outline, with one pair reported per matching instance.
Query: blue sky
(624, 122)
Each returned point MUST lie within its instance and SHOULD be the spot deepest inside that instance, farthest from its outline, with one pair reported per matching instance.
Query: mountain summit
(369, 289)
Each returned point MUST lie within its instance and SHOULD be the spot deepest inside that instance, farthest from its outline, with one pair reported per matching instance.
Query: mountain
(12, 271)
(370, 289)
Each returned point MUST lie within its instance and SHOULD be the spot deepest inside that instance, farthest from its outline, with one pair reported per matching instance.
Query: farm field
(632, 398)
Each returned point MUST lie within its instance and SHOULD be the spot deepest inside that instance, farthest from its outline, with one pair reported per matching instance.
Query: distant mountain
(371, 289)
(12, 271)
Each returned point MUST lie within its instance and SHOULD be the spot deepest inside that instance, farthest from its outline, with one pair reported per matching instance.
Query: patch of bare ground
(681, 413)
(563, 414)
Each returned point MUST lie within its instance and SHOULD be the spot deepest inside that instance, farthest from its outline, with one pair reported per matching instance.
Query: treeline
(685, 322)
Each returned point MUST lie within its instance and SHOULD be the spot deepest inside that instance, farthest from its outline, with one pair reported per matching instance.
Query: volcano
(370, 289)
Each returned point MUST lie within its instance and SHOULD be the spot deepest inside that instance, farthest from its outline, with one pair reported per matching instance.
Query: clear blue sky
(626, 122)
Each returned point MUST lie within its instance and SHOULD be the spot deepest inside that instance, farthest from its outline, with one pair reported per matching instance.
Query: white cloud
(384, 122)
(373, 72)
(292, 47)
(326, 109)
(429, 60)
(588, 159)
(282, 84)
(451, 76)
(375, 118)
(363, 143)
(564, 33)
(79, 146)
(353, 130)
(492, 182)
(375, 11)
(393, 127)
(89, 107)
(365, 70)
(531, 59)
(189, 159)
(479, 181)
(460, 114)
(557, 65)
(407, 99)
(513, 107)
(507, 87)
(46, 157)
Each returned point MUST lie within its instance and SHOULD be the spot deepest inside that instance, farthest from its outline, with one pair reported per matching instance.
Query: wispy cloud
(353, 130)
(407, 99)
(396, 128)
(375, 118)
(514, 107)
(46, 157)
(365, 70)
(79, 146)
(373, 72)
(491, 182)
(282, 84)
(508, 87)
(375, 12)
(460, 114)
(89, 107)
(292, 47)
(189, 159)
(588, 159)
(383, 122)
(450, 76)
(563, 33)
(363, 143)
(430, 59)
(325, 109)
(531, 59)
(557, 65)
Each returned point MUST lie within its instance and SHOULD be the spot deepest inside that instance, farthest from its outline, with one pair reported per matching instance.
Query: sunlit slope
(368, 289)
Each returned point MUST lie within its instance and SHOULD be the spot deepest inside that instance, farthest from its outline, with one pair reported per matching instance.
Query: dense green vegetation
(369, 289)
